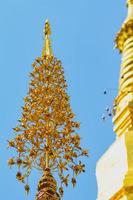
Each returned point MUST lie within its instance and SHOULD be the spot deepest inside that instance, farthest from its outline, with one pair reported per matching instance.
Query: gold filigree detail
(46, 135)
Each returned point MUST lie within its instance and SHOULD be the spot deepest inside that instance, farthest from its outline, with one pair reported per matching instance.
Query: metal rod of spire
(47, 154)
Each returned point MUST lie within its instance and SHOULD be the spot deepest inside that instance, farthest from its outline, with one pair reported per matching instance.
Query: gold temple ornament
(46, 136)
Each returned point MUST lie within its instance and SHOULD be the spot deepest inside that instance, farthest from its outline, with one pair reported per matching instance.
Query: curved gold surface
(114, 170)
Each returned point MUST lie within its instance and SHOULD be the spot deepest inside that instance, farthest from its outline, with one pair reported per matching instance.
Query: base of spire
(47, 187)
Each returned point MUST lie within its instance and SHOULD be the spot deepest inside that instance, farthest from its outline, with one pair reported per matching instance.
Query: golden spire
(124, 42)
(47, 50)
(118, 159)
(46, 135)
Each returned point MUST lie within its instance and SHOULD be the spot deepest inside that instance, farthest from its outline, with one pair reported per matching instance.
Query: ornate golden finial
(47, 50)
(46, 135)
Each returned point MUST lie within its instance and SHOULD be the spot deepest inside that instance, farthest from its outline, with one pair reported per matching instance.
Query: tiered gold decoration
(47, 187)
(115, 168)
(46, 136)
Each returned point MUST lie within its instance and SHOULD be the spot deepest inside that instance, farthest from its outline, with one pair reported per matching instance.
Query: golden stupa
(114, 170)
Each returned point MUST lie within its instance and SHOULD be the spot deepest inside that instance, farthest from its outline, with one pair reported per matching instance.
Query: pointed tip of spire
(46, 21)
(47, 50)
(47, 28)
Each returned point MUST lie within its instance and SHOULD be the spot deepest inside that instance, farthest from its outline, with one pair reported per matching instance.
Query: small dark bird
(103, 118)
(105, 92)
(107, 109)
(110, 114)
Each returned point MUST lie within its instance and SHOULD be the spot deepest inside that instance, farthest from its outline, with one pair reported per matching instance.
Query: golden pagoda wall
(114, 170)
(111, 169)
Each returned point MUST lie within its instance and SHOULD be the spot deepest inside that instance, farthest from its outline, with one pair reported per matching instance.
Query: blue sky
(83, 33)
